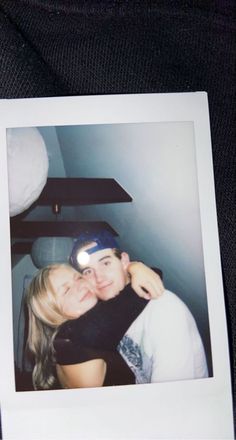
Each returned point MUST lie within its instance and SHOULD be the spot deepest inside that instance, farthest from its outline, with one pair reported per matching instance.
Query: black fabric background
(53, 48)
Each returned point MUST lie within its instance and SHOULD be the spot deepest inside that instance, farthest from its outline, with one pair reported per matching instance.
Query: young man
(163, 343)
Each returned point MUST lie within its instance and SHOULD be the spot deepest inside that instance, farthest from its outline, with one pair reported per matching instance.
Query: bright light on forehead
(83, 258)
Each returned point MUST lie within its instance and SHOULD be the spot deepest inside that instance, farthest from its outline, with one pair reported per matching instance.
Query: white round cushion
(27, 167)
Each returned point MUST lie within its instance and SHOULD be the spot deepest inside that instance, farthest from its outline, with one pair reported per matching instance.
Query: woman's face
(75, 296)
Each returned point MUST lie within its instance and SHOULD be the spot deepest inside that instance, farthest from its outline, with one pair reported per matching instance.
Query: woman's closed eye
(87, 272)
(67, 288)
(66, 291)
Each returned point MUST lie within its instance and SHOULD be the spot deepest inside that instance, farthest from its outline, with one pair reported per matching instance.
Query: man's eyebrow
(100, 259)
(104, 258)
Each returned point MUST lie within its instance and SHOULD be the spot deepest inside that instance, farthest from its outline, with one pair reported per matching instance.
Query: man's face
(106, 272)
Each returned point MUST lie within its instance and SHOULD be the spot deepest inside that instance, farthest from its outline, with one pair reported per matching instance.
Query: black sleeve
(117, 371)
(68, 353)
(104, 325)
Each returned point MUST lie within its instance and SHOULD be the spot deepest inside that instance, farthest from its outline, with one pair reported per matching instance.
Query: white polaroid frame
(186, 409)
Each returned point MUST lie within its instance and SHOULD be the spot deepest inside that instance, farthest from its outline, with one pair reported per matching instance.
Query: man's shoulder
(167, 313)
(168, 304)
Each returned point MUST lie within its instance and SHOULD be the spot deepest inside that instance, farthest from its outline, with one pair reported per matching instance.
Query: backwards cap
(103, 239)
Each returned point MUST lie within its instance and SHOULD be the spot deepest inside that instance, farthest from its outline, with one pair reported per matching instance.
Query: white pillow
(27, 167)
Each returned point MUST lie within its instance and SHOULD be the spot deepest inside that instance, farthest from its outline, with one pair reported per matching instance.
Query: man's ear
(125, 260)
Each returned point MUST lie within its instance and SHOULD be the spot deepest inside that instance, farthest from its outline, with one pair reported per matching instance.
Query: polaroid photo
(112, 309)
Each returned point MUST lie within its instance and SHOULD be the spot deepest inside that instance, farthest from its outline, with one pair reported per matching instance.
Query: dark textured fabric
(117, 370)
(102, 327)
(97, 333)
(50, 48)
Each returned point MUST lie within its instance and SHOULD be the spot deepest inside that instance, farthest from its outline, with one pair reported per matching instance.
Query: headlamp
(101, 239)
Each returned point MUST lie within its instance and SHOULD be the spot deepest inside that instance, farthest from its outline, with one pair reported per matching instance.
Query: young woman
(73, 336)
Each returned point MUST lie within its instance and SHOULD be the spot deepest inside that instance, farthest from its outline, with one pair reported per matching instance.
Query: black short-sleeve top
(96, 334)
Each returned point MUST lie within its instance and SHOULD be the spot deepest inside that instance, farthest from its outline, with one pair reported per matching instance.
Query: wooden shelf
(31, 229)
(82, 191)
(66, 192)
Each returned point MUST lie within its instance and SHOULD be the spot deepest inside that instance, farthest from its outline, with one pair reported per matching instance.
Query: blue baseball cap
(103, 239)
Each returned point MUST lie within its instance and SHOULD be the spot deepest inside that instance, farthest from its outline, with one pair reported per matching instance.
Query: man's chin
(105, 296)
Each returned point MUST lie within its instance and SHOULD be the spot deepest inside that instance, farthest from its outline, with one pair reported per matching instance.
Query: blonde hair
(45, 318)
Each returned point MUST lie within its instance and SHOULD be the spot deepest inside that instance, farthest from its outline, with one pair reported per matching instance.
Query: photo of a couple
(113, 310)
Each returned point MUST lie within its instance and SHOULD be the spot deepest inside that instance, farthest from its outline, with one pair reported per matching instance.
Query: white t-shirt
(163, 343)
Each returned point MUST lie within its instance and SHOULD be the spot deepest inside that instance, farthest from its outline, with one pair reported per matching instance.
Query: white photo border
(185, 409)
